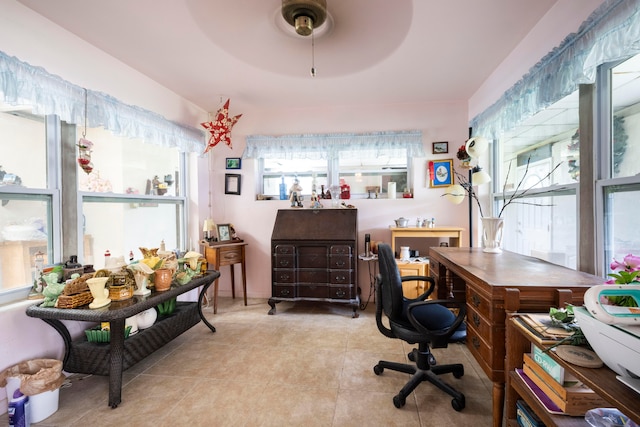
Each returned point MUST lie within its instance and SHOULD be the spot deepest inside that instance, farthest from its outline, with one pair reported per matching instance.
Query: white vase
(492, 235)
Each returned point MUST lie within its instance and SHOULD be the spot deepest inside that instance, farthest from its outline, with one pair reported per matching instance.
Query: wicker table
(118, 355)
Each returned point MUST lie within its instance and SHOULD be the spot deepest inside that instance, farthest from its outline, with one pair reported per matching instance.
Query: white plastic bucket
(42, 405)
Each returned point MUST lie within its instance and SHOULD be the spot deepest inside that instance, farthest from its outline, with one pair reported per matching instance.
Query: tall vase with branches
(492, 226)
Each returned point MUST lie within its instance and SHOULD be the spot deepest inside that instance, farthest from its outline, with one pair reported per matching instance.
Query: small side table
(372, 262)
(222, 254)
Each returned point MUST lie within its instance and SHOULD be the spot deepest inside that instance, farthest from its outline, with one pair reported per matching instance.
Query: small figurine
(315, 203)
(295, 194)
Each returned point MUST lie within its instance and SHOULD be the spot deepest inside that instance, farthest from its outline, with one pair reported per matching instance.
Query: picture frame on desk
(224, 232)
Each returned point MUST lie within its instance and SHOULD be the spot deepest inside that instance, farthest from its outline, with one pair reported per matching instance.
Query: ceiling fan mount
(304, 15)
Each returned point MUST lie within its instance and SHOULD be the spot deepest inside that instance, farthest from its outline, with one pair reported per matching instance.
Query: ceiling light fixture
(304, 16)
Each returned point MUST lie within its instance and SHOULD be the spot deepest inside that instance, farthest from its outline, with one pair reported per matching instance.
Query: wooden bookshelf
(602, 380)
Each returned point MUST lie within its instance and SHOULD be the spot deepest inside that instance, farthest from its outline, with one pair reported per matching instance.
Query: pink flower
(630, 263)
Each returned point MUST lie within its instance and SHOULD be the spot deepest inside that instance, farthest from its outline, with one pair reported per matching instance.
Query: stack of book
(557, 390)
(541, 329)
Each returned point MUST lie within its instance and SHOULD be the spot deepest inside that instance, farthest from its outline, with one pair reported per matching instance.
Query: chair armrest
(429, 291)
(438, 338)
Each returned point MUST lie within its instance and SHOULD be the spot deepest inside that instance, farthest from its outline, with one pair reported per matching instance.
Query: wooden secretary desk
(314, 256)
(494, 284)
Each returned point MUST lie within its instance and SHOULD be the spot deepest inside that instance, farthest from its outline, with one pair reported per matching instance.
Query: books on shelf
(571, 396)
(541, 331)
(546, 362)
(525, 415)
(539, 394)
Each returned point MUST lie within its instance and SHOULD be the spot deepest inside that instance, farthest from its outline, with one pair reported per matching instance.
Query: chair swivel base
(421, 375)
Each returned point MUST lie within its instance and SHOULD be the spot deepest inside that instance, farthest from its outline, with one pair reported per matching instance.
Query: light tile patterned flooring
(311, 364)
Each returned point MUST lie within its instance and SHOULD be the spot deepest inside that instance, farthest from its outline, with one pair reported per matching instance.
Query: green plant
(167, 307)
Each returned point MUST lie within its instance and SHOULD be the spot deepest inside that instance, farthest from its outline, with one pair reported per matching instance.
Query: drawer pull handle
(284, 292)
(284, 277)
(284, 263)
(475, 300)
(476, 319)
(476, 342)
(340, 293)
(340, 263)
(341, 278)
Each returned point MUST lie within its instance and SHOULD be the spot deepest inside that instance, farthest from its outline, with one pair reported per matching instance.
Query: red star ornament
(220, 129)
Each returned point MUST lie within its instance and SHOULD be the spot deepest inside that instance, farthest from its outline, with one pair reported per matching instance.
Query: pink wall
(37, 41)
(254, 219)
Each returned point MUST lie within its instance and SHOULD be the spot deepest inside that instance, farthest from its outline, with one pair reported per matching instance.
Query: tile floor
(311, 364)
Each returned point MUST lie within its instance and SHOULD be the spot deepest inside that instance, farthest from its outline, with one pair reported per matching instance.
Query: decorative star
(220, 129)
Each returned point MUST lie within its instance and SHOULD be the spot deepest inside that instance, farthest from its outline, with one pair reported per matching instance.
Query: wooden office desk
(227, 254)
(453, 233)
(482, 279)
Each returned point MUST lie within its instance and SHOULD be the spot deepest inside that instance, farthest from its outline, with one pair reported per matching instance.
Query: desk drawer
(479, 303)
(282, 291)
(341, 277)
(479, 323)
(284, 261)
(480, 348)
(230, 255)
(283, 275)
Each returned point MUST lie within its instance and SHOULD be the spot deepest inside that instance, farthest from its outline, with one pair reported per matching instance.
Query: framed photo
(234, 163)
(438, 148)
(224, 232)
(232, 183)
(442, 173)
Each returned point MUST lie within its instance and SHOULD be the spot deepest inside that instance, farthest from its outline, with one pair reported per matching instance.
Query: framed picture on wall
(442, 173)
(441, 147)
(234, 163)
(232, 183)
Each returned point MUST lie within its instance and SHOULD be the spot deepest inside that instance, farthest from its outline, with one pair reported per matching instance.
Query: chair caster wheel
(378, 369)
(458, 373)
(399, 401)
(458, 404)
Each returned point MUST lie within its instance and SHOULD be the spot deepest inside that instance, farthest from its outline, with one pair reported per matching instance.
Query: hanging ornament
(84, 145)
(220, 129)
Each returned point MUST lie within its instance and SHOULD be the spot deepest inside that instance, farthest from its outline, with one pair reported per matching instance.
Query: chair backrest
(390, 284)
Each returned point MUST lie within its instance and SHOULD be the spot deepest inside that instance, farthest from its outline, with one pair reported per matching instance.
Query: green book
(547, 363)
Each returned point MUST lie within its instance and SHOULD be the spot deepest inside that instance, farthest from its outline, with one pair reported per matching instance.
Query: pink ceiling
(371, 51)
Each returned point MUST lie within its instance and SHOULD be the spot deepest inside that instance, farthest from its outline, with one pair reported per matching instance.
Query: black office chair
(429, 323)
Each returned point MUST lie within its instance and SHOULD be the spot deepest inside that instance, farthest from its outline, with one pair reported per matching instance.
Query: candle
(391, 190)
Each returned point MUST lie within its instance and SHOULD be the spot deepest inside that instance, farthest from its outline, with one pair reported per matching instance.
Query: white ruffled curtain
(611, 33)
(326, 146)
(22, 84)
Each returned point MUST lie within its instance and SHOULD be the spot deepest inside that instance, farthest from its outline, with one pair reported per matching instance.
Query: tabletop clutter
(72, 285)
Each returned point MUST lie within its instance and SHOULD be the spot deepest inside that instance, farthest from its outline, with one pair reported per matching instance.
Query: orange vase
(163, 279)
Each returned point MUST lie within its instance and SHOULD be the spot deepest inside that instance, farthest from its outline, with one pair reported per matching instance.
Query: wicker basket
(75, 300)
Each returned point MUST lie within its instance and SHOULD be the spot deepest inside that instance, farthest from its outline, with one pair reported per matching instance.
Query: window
(544, 223)
(28, 202)
(365, 162)
(132, 197)
(619, 186)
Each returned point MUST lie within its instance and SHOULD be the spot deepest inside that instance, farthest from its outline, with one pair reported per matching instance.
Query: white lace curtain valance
(22, 84)
(611, 33)
(326, 146)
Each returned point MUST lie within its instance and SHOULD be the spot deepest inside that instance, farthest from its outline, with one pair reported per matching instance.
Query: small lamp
(479, 176)
(455, 194)
(476, 146)
(207, 228)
